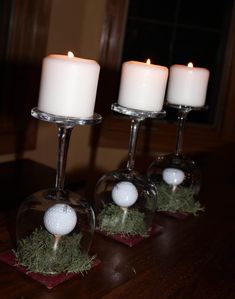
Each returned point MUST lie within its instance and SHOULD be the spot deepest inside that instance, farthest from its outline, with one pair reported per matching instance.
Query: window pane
(153, 9)
(146, 40)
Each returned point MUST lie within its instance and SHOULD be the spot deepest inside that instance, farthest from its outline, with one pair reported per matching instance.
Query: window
(171, 32)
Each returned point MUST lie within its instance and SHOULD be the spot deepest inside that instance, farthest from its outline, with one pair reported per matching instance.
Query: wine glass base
(187, 107)
(66, 120)
(136, 112)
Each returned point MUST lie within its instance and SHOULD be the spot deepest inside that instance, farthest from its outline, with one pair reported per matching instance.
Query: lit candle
(187, 85)
(142, 86)
(68, 86)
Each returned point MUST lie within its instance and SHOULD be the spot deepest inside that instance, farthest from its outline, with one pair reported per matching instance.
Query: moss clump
(36, 253)
(180, 201)
(115, 220)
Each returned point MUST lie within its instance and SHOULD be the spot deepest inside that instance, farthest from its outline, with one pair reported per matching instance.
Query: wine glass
(176, 176)
(55, 226)
(124, 201)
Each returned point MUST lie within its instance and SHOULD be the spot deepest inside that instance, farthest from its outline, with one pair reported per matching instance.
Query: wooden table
(190, 259)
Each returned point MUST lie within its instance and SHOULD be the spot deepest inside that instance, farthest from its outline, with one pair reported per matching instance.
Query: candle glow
(70, 54)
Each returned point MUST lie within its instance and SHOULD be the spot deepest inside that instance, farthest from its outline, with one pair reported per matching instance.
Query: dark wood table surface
(190, 259)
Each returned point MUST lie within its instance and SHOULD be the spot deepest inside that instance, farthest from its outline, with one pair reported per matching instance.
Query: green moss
(181, 200)
(36, 253)
(115, 220)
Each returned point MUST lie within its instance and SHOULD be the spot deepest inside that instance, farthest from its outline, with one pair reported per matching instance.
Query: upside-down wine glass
(176, 176)
(124, 201)
(55, 226)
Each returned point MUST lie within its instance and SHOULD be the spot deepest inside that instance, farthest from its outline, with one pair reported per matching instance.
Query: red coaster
(177, 215)
(50, 281)
(133, 240)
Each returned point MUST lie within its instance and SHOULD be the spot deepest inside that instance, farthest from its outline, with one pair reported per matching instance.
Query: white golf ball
(124, 194)
(60, 219)
(173, 176)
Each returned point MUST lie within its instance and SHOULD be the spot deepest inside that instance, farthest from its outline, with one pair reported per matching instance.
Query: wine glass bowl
(175, 170)
(124, 200)
(177, 180)
(124, 203)
(53, 234)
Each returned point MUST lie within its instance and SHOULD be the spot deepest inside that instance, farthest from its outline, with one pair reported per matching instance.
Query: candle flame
(70, 54)
(148, 61)
(190, 64)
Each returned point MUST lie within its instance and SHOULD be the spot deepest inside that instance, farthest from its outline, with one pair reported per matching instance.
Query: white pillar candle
(68, 86)
(187, 85)
(142, 86)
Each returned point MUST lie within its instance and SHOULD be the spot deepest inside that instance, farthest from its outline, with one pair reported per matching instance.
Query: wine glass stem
(135, 124)
(182, 116)
(64, 133)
